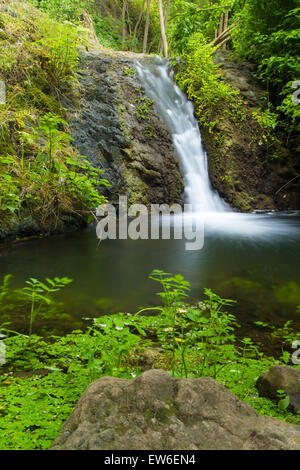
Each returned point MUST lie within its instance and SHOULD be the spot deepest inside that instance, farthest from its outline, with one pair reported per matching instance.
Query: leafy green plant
(55, 138)
(174, 287)
(143, 110)
(171, 325)
(267, 118)
(112, 342)
(199, 76)
(40, 293)
(150, 132)
(61, 9)
(4, 287)
(129, 71)
(59, 45)
(9, 191)
(286, 334)
(284, 400)
(188, 333)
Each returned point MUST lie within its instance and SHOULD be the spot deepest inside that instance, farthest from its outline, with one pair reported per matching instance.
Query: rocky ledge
(158, 412)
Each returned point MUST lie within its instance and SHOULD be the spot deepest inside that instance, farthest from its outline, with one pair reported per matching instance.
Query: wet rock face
(116, 127)
(281, 378)
(157, 412)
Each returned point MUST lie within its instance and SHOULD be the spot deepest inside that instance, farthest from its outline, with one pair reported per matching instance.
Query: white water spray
(178, 114)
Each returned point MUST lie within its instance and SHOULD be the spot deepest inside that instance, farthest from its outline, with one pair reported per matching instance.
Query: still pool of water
(253, 259)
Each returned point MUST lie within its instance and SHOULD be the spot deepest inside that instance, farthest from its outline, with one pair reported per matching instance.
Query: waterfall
(218, 218)
(178, 115)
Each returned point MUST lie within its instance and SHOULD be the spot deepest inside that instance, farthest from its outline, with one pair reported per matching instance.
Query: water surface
(258, 267)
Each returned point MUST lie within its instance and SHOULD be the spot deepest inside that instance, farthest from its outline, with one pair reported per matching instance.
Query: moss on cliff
(248, 163)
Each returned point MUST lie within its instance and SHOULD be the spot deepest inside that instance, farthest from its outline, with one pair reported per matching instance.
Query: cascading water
(178, 114)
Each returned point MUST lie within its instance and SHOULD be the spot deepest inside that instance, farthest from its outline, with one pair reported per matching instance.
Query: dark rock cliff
(116, 127)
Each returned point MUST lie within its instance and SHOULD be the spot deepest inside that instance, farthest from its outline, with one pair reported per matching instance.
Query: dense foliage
(264, 32)
(44, 378)
(269, 35)
(106, 18)
(41, 174)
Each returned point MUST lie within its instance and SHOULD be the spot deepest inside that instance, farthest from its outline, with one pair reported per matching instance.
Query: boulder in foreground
(158, 412)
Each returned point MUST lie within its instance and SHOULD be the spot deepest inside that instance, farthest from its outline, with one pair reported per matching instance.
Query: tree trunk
(146, 27)
(225, 25)
(168, 6)
(124, 23)
(224, 35)
(221, 28)
(139, 20)
(128, 20)
(167, 12)
(162, 28)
